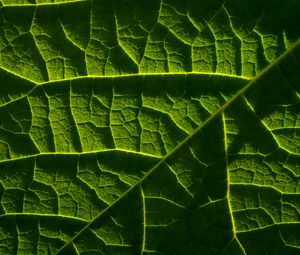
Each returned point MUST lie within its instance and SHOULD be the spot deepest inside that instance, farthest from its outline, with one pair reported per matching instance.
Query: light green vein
(43, 4)
(79, 154)
(186, 140)
(39, 215)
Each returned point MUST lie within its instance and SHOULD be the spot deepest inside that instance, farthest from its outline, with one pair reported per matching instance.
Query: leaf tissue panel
(166, 127)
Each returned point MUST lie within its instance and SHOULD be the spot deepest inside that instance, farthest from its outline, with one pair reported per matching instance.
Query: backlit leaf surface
(149, 127)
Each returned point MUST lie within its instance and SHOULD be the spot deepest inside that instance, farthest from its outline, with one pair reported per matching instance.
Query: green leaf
(149, 127)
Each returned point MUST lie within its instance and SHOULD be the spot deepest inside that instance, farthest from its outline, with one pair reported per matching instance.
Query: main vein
(186, 140)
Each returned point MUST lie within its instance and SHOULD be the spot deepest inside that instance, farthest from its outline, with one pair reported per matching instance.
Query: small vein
(79, 153)
(40, 215)
(43, 4)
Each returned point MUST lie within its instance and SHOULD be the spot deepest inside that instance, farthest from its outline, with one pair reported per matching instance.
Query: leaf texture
(55, 40)
(154, 127)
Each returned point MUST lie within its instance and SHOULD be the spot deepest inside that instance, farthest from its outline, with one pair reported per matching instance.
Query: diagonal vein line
(17, 75)
(41, 215)
(43, 4)
(144, 221)
(186, 140)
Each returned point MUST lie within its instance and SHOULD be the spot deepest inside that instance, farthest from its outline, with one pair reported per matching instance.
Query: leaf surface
(162, 127)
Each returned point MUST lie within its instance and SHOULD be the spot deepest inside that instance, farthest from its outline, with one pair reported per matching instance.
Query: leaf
(136, 128)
